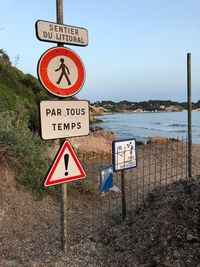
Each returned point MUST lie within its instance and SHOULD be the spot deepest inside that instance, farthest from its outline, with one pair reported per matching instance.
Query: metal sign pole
(189, 115)
(124, 157)
(123, 189)
(59, 13)
(123, 195)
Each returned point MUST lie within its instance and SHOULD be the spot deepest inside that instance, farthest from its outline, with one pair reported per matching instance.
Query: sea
(143, 126)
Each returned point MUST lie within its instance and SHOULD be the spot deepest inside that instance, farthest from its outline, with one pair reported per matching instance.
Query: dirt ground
(162, 232)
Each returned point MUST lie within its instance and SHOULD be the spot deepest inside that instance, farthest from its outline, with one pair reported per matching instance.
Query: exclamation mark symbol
(66, 159)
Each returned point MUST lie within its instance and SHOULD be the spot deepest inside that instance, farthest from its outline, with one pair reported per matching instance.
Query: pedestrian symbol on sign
(63, 69)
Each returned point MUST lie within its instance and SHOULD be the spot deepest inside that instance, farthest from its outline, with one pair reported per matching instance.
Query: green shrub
(27, 146)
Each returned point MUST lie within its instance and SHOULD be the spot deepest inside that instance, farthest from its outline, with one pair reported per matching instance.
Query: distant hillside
(148, 106)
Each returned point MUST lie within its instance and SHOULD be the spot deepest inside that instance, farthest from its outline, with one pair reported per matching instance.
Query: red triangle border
(82, 174)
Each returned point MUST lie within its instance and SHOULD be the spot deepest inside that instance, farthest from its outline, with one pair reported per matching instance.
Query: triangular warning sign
(66, 167)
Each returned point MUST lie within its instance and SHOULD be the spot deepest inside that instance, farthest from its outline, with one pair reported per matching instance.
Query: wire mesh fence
(89, 211)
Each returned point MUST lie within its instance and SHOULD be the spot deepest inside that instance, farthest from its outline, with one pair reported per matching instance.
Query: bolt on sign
(60, 119)
(61, 71)
(124, 154)
(59, 33)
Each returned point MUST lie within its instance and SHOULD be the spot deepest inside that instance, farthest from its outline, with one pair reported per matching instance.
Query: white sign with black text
(61, 119)
(60, 33)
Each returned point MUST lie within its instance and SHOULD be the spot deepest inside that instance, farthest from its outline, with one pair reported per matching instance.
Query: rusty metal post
(189, 114)
(123, 195)
(59, 11)
(63, 206)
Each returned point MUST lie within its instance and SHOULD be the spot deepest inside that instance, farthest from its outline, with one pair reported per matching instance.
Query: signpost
(60, 119)
(58, 33)
(65, 168)
(124, 157)
(61, 71)
(189, 100)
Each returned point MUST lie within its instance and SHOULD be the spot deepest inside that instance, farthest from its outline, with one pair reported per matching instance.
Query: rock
(157, 139)
(97, 120)
(139, 143)
(97, 128)
(91, 129)
(98, 110)
(160, 139)
(138, 110)
(174, 140)
(95, 111)
(174, 109)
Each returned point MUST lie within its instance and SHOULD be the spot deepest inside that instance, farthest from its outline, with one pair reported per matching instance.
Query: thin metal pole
(123, 195)
(189, 115)
(63, 206)
(59, 11)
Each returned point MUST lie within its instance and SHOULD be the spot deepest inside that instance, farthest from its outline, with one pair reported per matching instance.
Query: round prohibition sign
(61, 71)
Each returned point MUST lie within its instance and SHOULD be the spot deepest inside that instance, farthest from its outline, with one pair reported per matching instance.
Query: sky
(137, 48)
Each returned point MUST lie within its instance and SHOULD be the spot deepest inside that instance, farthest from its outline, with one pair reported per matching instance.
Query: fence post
(123, 195)
(189, 115)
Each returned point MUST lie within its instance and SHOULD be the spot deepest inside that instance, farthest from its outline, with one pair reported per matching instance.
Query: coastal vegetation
(20, 143)
(144, 106)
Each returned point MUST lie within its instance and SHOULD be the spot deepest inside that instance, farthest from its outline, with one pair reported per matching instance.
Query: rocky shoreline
(100, 139)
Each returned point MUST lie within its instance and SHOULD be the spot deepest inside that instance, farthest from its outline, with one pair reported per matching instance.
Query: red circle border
(43, 76)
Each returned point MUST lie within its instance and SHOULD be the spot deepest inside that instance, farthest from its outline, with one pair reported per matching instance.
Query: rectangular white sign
(60, 33)
(61, 119)
(124, 154)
